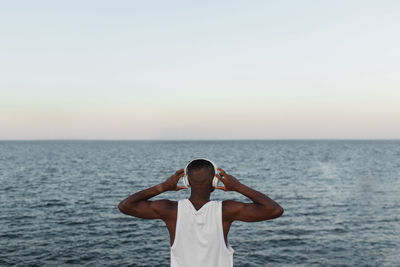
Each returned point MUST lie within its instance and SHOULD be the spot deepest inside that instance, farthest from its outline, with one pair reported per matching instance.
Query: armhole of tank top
(177, 224)
(227, 247)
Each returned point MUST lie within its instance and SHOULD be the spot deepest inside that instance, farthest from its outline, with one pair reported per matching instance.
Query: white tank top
(199, 237)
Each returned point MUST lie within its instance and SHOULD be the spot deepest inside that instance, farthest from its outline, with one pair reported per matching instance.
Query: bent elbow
(272, 213)
(128, 208)
(121, 207)
(279, 212)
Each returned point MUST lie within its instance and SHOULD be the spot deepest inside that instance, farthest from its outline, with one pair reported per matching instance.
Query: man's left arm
(139, 206)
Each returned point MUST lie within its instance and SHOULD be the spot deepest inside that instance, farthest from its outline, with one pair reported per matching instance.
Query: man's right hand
(230, 182)
(171, 184)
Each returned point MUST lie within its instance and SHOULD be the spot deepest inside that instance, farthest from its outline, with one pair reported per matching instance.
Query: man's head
(200, 172)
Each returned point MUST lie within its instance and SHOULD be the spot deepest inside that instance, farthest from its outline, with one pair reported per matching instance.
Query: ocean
(59, 201)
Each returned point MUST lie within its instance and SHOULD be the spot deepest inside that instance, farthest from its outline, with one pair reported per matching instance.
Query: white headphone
(214, 181)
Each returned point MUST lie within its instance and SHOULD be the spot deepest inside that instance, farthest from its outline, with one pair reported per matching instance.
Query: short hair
(200, 171)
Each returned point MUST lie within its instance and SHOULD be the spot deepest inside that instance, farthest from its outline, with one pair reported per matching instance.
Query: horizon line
(238, 139)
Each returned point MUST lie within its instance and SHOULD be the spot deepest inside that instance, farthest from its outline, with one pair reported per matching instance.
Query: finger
(180, 188)
(221, 170)
(181, 175)
(221, 188)
(180, 171)
(219, 177)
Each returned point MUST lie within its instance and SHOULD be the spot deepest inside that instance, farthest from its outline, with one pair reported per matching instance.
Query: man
(198, 227)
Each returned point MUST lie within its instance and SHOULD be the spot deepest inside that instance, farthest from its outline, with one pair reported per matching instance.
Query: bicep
(146, 209)
(247, 212)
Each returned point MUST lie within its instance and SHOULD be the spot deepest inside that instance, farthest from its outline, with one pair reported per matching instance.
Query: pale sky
(199, 69)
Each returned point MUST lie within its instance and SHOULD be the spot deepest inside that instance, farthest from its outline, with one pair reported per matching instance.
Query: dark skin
(262, 207)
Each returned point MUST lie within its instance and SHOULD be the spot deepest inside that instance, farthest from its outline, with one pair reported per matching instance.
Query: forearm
(257, 197)
(143, 195)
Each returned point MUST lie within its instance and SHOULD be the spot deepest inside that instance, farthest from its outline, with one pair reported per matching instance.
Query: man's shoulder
(166, 204)
(231, 203)
(230, 208)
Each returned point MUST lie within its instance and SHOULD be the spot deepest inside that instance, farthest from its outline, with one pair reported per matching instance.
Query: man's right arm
(262, 208)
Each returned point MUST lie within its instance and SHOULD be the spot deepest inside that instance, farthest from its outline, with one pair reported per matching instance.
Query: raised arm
(262, 208)
(138, 204)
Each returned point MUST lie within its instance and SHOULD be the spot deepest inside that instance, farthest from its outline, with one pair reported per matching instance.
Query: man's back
(199, 238)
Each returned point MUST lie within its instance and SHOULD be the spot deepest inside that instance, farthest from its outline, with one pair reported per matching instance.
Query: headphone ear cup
(186, 181)
(215, 181)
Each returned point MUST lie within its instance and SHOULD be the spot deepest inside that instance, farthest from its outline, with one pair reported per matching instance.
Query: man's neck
(199, 197)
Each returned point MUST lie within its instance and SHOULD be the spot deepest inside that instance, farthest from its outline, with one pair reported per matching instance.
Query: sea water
(59, 201)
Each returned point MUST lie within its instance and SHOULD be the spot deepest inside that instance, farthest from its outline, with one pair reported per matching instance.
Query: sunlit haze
(199, 69)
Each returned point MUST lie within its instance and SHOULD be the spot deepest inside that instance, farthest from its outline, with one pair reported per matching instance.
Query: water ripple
(58, 201)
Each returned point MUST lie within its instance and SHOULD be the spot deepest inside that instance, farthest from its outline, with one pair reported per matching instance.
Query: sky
(199, 70)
